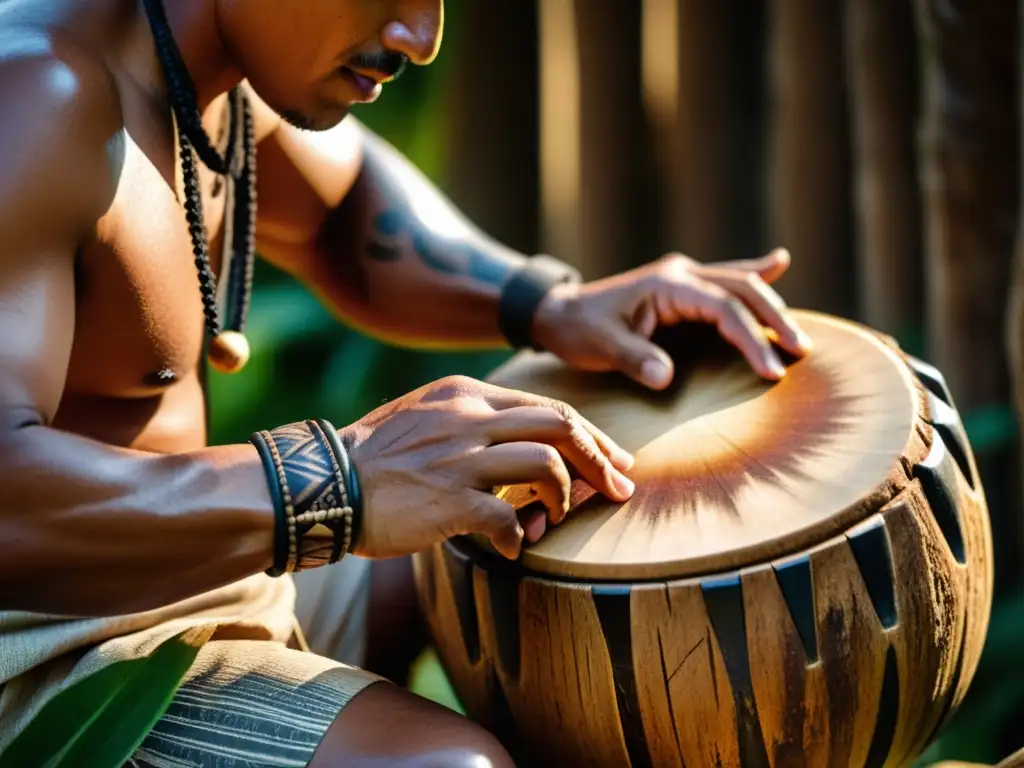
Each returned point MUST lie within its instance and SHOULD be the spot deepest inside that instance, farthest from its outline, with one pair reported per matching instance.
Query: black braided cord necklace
(227, 347)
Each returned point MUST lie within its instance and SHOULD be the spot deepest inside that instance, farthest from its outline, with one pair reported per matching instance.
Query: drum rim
(763, 551)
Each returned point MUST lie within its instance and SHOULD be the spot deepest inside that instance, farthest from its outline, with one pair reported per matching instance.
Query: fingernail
(624, 485)
(655, 373)
(775, 366)
(804, 341)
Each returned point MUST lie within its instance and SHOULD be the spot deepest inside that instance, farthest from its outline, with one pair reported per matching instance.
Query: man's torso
(135, 374)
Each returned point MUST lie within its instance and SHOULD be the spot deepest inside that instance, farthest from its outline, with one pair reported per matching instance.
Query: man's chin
(305, 122)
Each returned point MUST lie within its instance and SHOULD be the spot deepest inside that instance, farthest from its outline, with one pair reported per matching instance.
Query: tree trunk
(708, 101)
(882, 60)
(491, 120)
(810, 176)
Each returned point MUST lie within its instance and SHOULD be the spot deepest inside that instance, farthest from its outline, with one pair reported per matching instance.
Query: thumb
(497, 520)
(639, 358)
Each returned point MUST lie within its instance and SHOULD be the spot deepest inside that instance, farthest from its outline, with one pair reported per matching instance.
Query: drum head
(730, 469)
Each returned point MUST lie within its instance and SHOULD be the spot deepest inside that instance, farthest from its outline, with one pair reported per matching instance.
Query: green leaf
(101, 720)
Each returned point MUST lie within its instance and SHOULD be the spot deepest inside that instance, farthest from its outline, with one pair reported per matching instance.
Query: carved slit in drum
(802, 578)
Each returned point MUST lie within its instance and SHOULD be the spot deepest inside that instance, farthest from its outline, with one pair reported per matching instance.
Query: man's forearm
(86, 529)
(399, 260)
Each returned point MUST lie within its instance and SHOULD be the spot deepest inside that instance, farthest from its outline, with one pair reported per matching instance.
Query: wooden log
(882, 56)
(970, 171)
(490, 119)
(810, 164)
(803, 576)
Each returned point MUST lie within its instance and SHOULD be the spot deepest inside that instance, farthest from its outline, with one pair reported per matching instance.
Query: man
(119, 526)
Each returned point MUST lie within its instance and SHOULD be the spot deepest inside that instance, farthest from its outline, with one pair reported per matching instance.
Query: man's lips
(367, 88)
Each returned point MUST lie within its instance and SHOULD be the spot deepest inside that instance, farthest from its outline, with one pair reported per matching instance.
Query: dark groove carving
(947, 425)
(460, 572)
(932, 378)
(612, 603)
(873, 552)
(724, 600)
(933, 474)
(668, 696)
(888, 713)
(503, 589)
(794, 578)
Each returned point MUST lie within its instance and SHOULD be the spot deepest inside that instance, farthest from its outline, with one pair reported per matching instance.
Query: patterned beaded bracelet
(310, 477)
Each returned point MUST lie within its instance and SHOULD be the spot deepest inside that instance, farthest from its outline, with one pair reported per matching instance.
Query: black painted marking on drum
(931, 377)
(794, 579)
(947, 424)
(933, 474)
(502, 722)
(612, 603)
(873, 552)
(724, 600)
(503, 589)
(460, 573)
(888, 713)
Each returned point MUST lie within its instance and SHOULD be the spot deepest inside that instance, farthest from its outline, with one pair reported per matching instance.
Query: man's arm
(86, 529)
(345, 213)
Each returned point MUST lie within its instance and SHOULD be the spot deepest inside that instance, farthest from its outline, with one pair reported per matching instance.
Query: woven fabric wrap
(313, 496)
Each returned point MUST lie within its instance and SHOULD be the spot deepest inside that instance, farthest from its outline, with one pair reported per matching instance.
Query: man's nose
(417, 31)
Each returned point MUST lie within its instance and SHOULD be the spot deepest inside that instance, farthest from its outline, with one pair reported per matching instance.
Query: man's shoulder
(46, 74)
(61, 122)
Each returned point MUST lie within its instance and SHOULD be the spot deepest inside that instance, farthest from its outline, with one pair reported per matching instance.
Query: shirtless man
(119, 526)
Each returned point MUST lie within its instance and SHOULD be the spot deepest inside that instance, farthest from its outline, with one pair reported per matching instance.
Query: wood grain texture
(852, 651)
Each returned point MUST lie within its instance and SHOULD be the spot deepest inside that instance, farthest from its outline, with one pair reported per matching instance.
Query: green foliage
(101, 720)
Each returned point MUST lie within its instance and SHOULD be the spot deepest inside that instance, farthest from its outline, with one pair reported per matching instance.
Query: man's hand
(607, 324)
(428, 463)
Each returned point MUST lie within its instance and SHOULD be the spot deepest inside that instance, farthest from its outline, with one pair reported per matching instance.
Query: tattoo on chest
(396, 229)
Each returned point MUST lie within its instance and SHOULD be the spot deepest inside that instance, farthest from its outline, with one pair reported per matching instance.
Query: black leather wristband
(523, 292)
(350, 476)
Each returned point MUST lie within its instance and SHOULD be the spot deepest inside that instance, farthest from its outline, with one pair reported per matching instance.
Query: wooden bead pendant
(228, 352)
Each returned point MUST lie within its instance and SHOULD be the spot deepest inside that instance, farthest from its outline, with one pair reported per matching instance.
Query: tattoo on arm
(450, 256)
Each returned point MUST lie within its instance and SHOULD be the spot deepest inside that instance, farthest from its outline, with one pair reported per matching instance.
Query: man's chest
(139, 313)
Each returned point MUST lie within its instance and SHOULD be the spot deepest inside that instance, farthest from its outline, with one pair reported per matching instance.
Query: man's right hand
(428, 463)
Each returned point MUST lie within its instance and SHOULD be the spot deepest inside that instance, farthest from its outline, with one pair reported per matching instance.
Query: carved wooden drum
(802, 578)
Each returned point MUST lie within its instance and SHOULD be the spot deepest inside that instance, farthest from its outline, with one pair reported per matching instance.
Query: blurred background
(877, 139)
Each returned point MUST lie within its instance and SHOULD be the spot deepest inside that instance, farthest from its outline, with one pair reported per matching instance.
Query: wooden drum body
(803, 576)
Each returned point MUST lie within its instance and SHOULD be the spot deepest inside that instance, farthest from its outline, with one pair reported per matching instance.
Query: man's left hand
(607, 324)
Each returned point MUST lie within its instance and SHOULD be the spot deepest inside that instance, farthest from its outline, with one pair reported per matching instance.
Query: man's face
(311, 60)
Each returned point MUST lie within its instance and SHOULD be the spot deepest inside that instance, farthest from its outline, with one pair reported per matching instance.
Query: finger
(534, 521)
(500, 398)
(736, 324)
(541, 466)
(769, 267)
(770, 309)
(638, 357)
(557, 425)
(496, 519)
